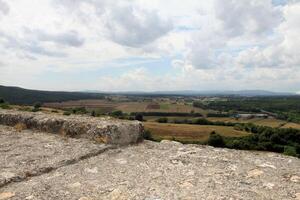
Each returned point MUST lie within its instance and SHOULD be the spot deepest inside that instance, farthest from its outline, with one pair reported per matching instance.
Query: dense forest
(284, 107)
(16, 95)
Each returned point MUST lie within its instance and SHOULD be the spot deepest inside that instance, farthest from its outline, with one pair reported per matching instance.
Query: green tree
(216, 140)
(37, 105)
(139, 117)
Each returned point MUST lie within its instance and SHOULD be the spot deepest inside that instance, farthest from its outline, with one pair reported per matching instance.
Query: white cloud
(4, 8)
(200, 44)
(247, 17)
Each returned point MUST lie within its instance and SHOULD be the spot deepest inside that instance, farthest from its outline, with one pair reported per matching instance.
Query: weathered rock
(105, 130)
(152, 171)
(31, 153)
(6, 195)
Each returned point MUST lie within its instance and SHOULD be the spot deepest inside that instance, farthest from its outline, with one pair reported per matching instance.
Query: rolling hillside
(17, 95)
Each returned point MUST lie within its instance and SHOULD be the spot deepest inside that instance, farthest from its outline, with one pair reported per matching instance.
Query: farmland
(189, 133)
(128, 106)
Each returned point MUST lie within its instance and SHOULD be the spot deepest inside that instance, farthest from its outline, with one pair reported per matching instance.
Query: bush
(139, 117)
(35, 109)
(5, 106)
(162, 120)
(147, 135)
(290, 151)
(2, 101)
(215, 140)
(37, 105)
(80, 110)
(117, 113)
(67, 113)
(202, 121)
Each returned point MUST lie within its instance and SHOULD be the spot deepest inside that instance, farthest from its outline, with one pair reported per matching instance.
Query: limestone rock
(104, 130)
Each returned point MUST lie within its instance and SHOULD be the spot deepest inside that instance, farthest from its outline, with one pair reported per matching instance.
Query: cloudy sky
(126, 45)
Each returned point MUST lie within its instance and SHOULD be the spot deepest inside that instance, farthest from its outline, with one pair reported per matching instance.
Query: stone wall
(104, 130)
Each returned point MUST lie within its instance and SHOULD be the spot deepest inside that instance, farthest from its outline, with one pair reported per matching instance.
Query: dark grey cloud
(4, 8)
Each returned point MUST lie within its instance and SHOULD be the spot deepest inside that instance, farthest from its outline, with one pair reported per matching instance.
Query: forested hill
(17, 95)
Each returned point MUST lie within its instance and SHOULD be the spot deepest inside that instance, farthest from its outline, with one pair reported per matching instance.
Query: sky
(157, 45)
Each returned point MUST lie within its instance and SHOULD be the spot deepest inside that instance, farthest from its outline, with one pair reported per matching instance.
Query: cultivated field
(274, 123)
(128, 107)
(189, 133)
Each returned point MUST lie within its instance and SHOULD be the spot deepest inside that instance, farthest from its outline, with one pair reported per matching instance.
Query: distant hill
(17, 95)
(246, 93)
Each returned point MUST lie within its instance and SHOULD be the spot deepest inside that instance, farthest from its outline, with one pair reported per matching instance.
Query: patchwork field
(127, 107)
(188, 133)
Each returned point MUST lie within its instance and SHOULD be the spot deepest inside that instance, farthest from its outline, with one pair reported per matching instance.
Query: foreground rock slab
(104, 130)
(31, 153)
(167, 171)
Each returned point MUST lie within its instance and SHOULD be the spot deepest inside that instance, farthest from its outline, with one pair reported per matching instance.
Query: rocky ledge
(104, 130)
(36, 165)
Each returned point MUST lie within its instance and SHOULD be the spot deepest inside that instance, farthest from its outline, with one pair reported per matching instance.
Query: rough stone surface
(155, 171)
(105, 130)
(30, 153)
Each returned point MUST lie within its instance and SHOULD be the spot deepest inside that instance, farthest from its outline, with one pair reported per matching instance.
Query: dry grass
(291, 125)
(20, 127)
(186, 132)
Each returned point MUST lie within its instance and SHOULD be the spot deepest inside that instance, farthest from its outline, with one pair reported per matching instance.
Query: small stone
(267, 165)
(187, 185)
(29, 197)
(92, 170)
(118, 194)
(6, 195)
(254, 173)
(7, 175)
(84, 198)
(295, 179)
(75, 185)
(121, 161)
(269, 185)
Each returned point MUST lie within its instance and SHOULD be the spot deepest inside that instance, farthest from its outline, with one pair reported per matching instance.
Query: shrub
(5, 106)
(20, 127)
(67, 113)
(37, 105)
(2, 101)
(162, 120)
(147, 135)
(290, 151)
(216, 140)
(139, 117)
(117, 113)
(35, 109)
(80, 110)
(27, 109)
(202, 121)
